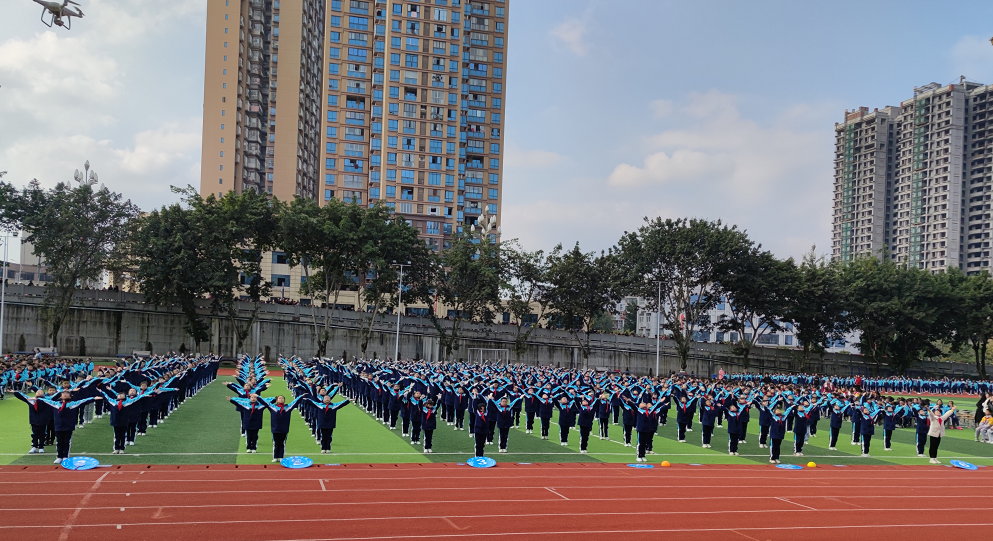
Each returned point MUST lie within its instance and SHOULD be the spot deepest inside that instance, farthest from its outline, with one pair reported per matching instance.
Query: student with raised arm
(429, 422)
(708, 416)
(587, 412)
(480, 427)
(868, 427)
(65, 413)
(567, 417)
(937, 430)
(327, 419)
(252, 410)
(121, 410)
(505, 419)
(279, 422)
(777, 432)
(39, 414)
(837, 421)
(603, 415)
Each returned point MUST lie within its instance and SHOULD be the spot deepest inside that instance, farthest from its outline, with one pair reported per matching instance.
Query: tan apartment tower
(262, 97)
(414, 105)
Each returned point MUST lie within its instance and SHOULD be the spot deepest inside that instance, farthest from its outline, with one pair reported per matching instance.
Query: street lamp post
(658, 330)
(396, 350)
(3, 285)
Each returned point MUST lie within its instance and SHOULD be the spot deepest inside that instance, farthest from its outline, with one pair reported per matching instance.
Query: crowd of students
(411, 397)
(786, 407)
(65, 396)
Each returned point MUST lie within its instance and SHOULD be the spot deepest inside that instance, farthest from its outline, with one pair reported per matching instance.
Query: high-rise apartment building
(413, 109)
(263, 89)
(914, 181)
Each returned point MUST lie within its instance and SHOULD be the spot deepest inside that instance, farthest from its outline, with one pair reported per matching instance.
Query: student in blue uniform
(252, 412)
(327, 419)
(646, 422)
(922, 425)
(765, 421)
(837, 421)
(587, 412)
(279, 422)
(429, 422)
(121, 410)
(39, 414)
(65, 412)
(801, 421)
(545, 408)
(461, 405)
(731, 414)
(685, 410)
(530, 409)
(867, 428)
(480, 427)
(505, 419)
(708, 417)
(603, 416)
(567, 417)
(889, 425)
(777, 432)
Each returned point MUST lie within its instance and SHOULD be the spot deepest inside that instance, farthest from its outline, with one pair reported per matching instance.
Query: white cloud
(682, 165)
(661, 108)
(772, 178)
(571, 34)
(517, 157)
(972, 56)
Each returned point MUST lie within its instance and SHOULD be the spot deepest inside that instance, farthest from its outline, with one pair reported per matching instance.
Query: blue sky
(615, 110)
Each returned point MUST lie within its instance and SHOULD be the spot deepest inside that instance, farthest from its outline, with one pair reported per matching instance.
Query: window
(494, 178)
(409, 143)
(332, 131)
(498, 58)
(474, 177)
(358, 23)
(355, 134)
(393, 125)
(411, 61)
(283, 280)
(335, 20)
(497, 88)
(352, 149)
(434, 179)
(494, 193)
(394, 109)
(437, 96)
(278, 258)
(409, 126)
(329, 163)
(352, 181)
(413, 28)
(406, 177)
(391, 191)
(494, 163)
(335, 37)
(356, 38)
(391, 158)
(362, 55)
(331, 148)
(394, 91)
(473, 192)
(413, 44)
(449, 196)
(391, 141)
(440, 14)
(395, 59)
(354, 118)
(349, 196)
(333, 68)
(491, 208)
(494, 148)
(357, 6)
(329, 180)
(407, 208)
(334, 52)
(357, 70)
(435, 146)
(373, 193)
(410, 110)
(410, 77)
(354, 166)
(410, 94)
(407, 193)
(407, 160)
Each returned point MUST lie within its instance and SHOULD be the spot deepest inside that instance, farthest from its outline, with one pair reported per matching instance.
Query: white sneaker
(33, 451)
(920, 455)
(582, 451)
(887, 449)
(627, 445)
(57, 461)
(865, 455)
(742, 441)
(681, 441)
(772, 461)
(503, 450)
(565, 443)
(935, 461)
(832, 448)
(689, 430)
(275, 460)
(41, 450)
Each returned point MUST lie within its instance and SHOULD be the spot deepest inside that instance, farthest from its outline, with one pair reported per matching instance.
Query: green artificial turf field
(205, 430)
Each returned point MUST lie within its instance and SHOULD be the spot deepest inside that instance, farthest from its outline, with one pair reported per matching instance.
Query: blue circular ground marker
(79, 463)
(789, 466)
(963, 465)
(296, 462)
(481, 462)
(646, 466)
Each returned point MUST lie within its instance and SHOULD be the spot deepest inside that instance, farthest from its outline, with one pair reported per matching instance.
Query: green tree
(817, 308)
(78, 230)
(631, 317)
(973, 320)
(388, 241)
(582, 287)
(467, 281)
(900, 312)
(758, 289)
(524, 292)
(327, 241)
(687, 257)
(207, 249)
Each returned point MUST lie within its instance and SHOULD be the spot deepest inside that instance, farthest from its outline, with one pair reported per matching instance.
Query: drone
(61, 14)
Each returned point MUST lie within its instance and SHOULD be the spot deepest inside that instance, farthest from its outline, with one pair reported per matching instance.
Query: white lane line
(556, 493)
(794, 503)
(67, 528)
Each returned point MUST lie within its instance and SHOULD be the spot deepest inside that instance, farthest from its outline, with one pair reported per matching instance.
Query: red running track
(550, 502)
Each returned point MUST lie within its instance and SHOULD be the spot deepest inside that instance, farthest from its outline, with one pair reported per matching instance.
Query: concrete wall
(105, 324)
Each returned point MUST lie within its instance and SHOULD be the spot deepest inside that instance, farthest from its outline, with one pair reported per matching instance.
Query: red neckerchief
(429, 414)
(62, 405)
(120, 405)
(483, 417)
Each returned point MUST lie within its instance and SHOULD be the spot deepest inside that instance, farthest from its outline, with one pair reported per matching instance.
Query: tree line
(210, 250)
